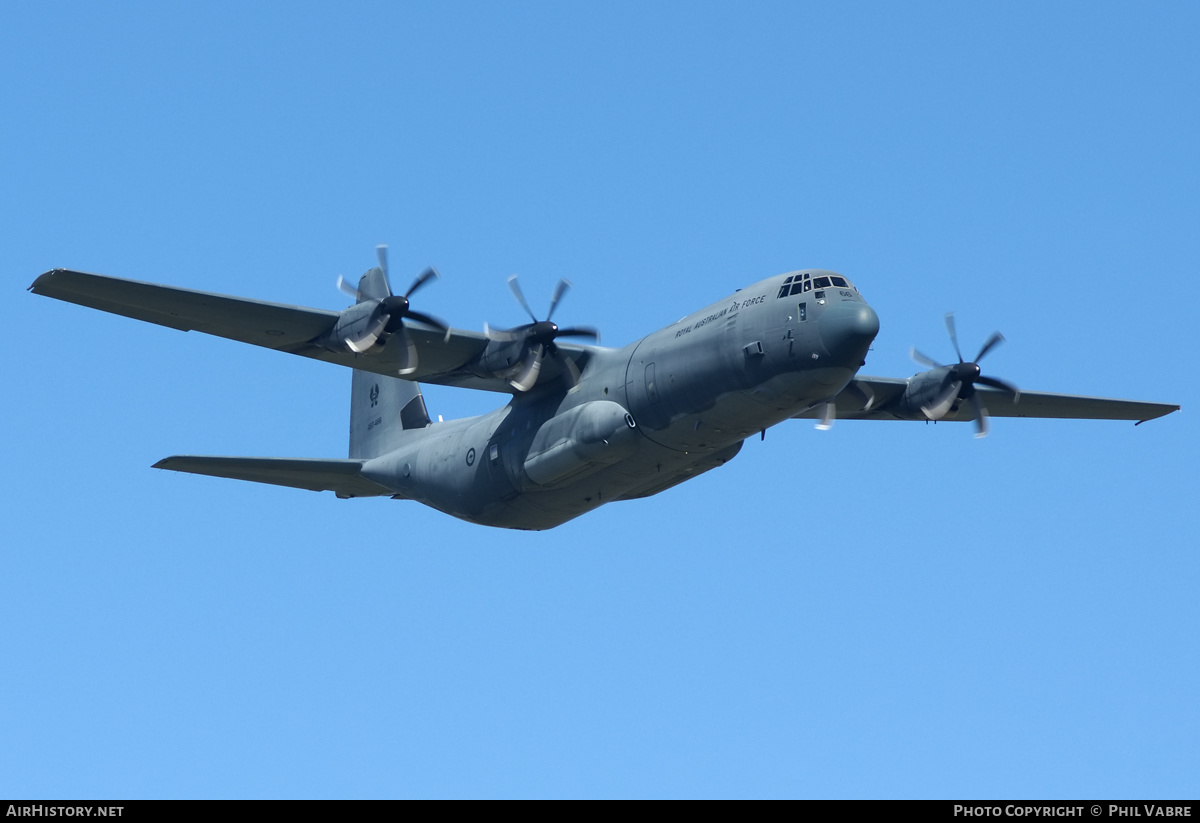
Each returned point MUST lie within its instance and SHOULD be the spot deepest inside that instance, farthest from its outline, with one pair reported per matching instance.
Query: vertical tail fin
(382, 409)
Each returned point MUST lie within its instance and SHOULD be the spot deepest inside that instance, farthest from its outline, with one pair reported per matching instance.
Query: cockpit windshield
(806, 281)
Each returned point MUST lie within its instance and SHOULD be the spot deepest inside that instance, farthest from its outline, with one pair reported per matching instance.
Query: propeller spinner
(537, 340)
(960, 379)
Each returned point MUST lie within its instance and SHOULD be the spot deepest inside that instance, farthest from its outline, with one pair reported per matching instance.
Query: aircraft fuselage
(645, 417)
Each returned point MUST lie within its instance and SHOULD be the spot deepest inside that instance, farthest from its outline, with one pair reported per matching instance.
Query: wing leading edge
(443, 360)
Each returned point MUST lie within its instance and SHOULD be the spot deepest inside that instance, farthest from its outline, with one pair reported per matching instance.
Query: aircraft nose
(847, 330)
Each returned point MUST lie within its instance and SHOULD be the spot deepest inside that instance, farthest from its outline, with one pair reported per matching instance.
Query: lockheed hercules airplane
(586, 425)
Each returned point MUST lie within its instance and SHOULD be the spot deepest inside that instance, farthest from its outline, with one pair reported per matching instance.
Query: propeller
(827, 411)
(537, 340)
(388, 313)
(828, 414)
(961, 379)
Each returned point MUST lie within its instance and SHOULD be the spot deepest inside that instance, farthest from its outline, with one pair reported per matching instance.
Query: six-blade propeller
(960, 380)
(388, 314)
(537, 339)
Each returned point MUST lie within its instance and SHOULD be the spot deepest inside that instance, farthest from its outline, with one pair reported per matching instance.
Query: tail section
(382, 409)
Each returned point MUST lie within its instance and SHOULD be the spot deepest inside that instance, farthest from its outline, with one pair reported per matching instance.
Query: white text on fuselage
(718, 315)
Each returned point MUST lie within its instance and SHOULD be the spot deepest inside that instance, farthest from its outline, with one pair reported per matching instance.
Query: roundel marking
(471, 457)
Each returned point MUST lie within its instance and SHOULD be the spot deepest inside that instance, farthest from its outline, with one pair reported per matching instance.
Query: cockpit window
(795, 284)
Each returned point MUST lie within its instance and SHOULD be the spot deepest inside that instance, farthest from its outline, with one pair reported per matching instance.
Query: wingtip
(41, 280)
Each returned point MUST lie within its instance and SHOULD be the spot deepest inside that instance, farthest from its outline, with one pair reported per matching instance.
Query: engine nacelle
(920, 400)
(351, 324)
(499, 357)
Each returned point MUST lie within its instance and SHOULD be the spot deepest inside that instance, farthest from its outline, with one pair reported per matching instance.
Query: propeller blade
(532, 366)
(515, 287)
(1000, 384)
(381, 254)
(981, 417)
(569, 364)
(428, 320)
(868, 395)
(579, 331)
(559, 291)
(345, 288)
(828, 415)
(368, 338)
(953, 334)
(408, 352)
(923, 359)
(938, 409)
(424, 277)
(994, 340)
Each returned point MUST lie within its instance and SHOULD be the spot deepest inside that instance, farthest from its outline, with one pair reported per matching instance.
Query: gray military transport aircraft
(586, 425)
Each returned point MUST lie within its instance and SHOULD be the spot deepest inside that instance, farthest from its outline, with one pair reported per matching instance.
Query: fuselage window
(807, 284)
(822, 282)
(839, 281)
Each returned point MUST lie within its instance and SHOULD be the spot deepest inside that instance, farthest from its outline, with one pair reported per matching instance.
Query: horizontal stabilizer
(339, 476)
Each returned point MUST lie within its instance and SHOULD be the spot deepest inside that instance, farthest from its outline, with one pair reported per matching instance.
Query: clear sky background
(881, 610)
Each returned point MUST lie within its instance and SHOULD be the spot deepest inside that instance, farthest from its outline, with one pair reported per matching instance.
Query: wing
(878, 398)
(444, 360)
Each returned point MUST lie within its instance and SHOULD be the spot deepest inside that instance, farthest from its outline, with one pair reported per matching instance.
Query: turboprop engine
(379, 314)
(935, 392)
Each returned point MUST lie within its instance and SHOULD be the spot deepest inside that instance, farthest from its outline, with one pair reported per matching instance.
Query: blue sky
(881, 610)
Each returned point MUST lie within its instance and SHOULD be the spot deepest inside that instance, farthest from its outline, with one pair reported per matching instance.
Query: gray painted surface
(636, 421)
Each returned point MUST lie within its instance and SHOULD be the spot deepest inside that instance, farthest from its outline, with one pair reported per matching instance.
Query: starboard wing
(877, 398)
